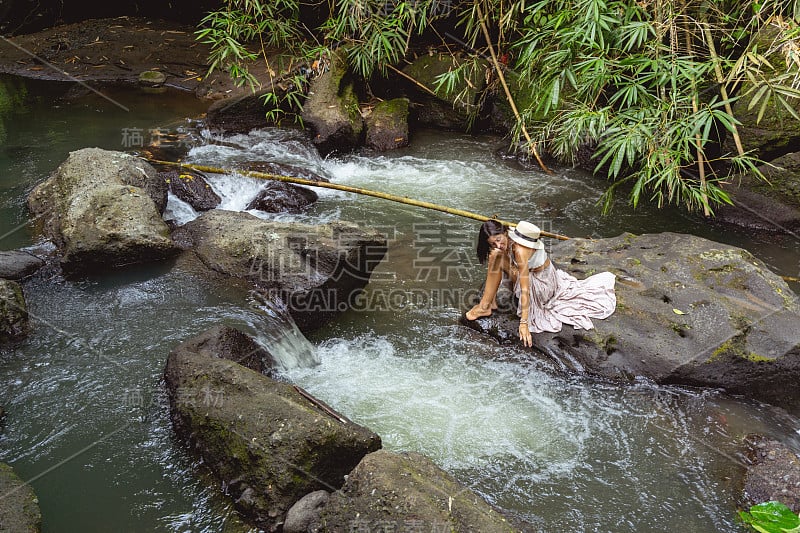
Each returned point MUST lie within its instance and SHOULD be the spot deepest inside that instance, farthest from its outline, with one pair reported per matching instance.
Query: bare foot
(478, 311)
(494, 304)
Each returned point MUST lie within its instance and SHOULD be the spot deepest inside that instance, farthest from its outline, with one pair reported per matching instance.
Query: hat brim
(530, 243)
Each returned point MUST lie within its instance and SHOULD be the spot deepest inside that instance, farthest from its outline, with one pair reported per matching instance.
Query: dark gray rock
(332, 111)
(402, 491)
(227, 342)
(103, 209)
(17, 264)
(387, 125)
(453, 110)
(19, 507)
(689, 311)
(267, 443)
(773, 473)
(238, 114)
(317, 270)
(304, 515)
(191, 187)
(13, 312)
(279, 197)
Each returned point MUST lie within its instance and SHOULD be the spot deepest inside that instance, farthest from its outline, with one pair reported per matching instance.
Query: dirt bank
(117, 50)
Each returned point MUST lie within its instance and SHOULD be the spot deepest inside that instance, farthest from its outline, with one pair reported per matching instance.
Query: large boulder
(269, 443)
(103, 209)
(455, 109)
(19, 507)
(317, 270)
(773, 473)
(390, 491)
(689, 311)
(13, 312)
(332, 110)
(18, 264)
(387, 125)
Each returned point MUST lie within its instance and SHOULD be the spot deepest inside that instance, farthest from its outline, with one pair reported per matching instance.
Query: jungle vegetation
(649, 86)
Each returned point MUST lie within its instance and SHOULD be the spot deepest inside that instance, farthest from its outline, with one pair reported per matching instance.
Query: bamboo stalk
(722, 89)
(358, 190)
(507, 91)
(701, 169)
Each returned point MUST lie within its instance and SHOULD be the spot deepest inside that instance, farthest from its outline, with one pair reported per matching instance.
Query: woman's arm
(522, 255)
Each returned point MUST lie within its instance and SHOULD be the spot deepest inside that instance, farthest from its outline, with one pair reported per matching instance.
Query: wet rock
(387, 125)
(304, 515)
(230, 343)
(152, 78)
(331, 111)
(316, 270)
(103, 209)
(773, 473)
(191, 187)
(689, 311)
(405, 491)
(18, 264)
(279, 197)
(19, 507)
(13, 312)
(266, 442)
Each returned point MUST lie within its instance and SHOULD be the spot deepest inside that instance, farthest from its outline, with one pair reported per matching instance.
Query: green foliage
(649, 86)
(771, 517)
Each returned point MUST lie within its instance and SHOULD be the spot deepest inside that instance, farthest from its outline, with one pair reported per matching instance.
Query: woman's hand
(525, 334)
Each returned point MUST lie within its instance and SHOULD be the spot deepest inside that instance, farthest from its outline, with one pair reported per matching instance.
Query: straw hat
(526, 234)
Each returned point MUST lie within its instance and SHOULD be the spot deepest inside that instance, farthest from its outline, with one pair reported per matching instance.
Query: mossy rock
(13, 312)
(19, 506)
(152, 78)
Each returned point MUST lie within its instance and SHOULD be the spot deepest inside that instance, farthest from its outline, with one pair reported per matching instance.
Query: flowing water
(88, 421)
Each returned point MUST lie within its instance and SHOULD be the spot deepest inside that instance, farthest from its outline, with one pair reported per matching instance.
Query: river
(88, 423)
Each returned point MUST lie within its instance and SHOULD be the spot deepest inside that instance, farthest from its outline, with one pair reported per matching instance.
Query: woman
(548, 297)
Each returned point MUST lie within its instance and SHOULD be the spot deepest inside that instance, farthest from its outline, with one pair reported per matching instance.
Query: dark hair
(488, 229)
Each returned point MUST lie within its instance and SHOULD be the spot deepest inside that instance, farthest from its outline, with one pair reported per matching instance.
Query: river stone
(317, 270)
(19, 507)
(387, 125)
(279, 197)
(18, 264)
(103, 209)
(191, 187)
(13, 312)
(689, 311)
(266, 442)
(390, 491)
(304, 515)
(152, 78)
(773, 473)
(332, 111)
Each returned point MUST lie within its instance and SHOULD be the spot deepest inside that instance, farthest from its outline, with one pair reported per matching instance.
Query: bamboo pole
(722, 89)
(358, 190)
(510, 98)
(701, 168)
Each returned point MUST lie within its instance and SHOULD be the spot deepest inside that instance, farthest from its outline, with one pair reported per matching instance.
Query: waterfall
(277, 332)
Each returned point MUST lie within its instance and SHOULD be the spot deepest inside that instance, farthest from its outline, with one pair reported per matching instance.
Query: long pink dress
(558, 298)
